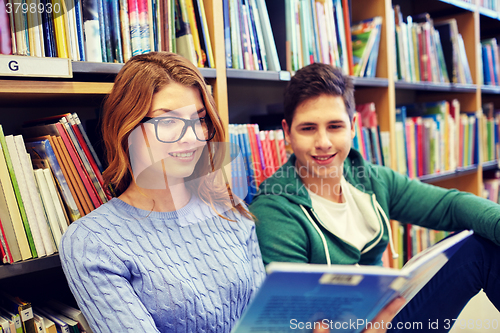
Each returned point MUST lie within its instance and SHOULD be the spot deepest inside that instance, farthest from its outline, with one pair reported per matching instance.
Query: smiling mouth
(183, 154)
(323, 158)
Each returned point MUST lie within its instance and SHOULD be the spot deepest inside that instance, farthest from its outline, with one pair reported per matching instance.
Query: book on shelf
(13, 318)
(48, 325)
(10, 215)
(419, 49)
(309, 293)
(368, 135)
(111, 30)
(318, 31)
(5, 37)
(248, 36)
(15, 305)
(365, 40)
(72, 313)
(17, 192)
(263, 152)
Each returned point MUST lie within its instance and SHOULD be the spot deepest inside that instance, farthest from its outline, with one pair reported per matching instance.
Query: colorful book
(301, 285)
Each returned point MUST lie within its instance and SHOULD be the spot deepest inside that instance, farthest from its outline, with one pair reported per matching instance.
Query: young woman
(173, 252)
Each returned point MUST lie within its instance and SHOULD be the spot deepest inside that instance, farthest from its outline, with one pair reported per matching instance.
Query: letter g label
(14, 66)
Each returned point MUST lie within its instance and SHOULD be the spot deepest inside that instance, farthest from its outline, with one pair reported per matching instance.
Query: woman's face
(156, 162)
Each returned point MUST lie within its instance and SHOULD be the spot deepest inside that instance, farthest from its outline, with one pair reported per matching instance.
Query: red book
(257, 165)
(78, 165)
(428, 50)
(348, 38)
(420, 146)
(92, 162)
(4, 248)
(489, 54)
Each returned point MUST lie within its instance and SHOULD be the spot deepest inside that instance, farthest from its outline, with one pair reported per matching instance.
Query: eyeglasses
(172, 129)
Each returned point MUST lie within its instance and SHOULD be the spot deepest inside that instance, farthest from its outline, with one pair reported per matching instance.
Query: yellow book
(60, 31)
(208, 45)
(465, 139)
(200, 56)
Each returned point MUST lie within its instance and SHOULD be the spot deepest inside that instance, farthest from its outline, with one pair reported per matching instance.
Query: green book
(17, 193)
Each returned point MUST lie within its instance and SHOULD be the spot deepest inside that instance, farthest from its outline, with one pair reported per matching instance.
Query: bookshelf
(242, 94)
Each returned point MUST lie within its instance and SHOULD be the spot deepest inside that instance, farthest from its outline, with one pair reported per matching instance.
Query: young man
(327, 205)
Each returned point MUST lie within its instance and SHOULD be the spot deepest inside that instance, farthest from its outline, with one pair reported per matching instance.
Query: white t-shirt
(344, 220)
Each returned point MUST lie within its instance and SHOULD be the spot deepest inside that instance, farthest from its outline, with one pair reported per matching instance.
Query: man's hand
(386, 315)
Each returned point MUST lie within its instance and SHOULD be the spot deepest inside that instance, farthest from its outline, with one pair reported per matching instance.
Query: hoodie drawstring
(323, 239)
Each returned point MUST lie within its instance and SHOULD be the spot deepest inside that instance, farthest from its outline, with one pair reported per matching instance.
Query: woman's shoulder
(102, 217)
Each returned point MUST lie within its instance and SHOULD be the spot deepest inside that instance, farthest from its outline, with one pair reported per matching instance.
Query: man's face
(320, 135)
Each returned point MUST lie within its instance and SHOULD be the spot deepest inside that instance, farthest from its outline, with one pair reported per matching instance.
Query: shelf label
(33, 66)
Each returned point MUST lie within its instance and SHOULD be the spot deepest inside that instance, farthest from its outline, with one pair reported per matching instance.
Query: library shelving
(242, 95)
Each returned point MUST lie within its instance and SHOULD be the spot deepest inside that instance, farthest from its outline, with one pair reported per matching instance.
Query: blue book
(100, 7)
(486, 71)
(343, 298)
(227, 34)
(115, 31)
(79, 29)
(49, 40)
(253, 37)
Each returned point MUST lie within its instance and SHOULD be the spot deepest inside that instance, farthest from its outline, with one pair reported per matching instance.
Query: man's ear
(286, 130)
(355, 118)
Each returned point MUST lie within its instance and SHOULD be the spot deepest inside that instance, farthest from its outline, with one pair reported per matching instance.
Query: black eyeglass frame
(187, 122)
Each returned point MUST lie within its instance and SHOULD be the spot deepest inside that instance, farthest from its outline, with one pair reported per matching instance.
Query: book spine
(135, 27)
(125, 30)
(19, 188)
(144, 25)
(116, 36)
(102, 29)
(227, 34)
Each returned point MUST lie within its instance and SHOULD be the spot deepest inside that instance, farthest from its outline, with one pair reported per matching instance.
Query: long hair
(129, 102)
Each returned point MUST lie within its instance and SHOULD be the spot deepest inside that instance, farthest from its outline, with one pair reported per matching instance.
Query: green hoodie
(289, 230)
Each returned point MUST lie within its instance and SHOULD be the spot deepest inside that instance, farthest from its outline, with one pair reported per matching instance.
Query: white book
(5, 324)
(49, 205)
(72, 313)
(48, 240)
(61, 217)
(25, 196)
(48, 325)
(270, 45)
(39, 326)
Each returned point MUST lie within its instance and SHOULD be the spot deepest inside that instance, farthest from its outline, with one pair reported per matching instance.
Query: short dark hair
(314, 80)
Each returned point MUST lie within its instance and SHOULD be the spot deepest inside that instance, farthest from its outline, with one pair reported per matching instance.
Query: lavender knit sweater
(183, 271)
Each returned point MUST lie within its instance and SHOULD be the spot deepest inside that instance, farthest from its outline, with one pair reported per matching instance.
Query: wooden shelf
(448, 174)
(370, 81)
(461, 4)
(438, 87)
(10, 87)
(487, 89)
(86, 67)
(490, 165)
(488, 12)
(257, 75)
(29, 266)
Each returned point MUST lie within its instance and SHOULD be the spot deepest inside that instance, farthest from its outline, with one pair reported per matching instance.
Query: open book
(344, 298)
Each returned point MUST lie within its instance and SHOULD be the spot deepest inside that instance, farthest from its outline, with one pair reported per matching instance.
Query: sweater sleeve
(100, 283)
(412, 201)
(256, 260)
